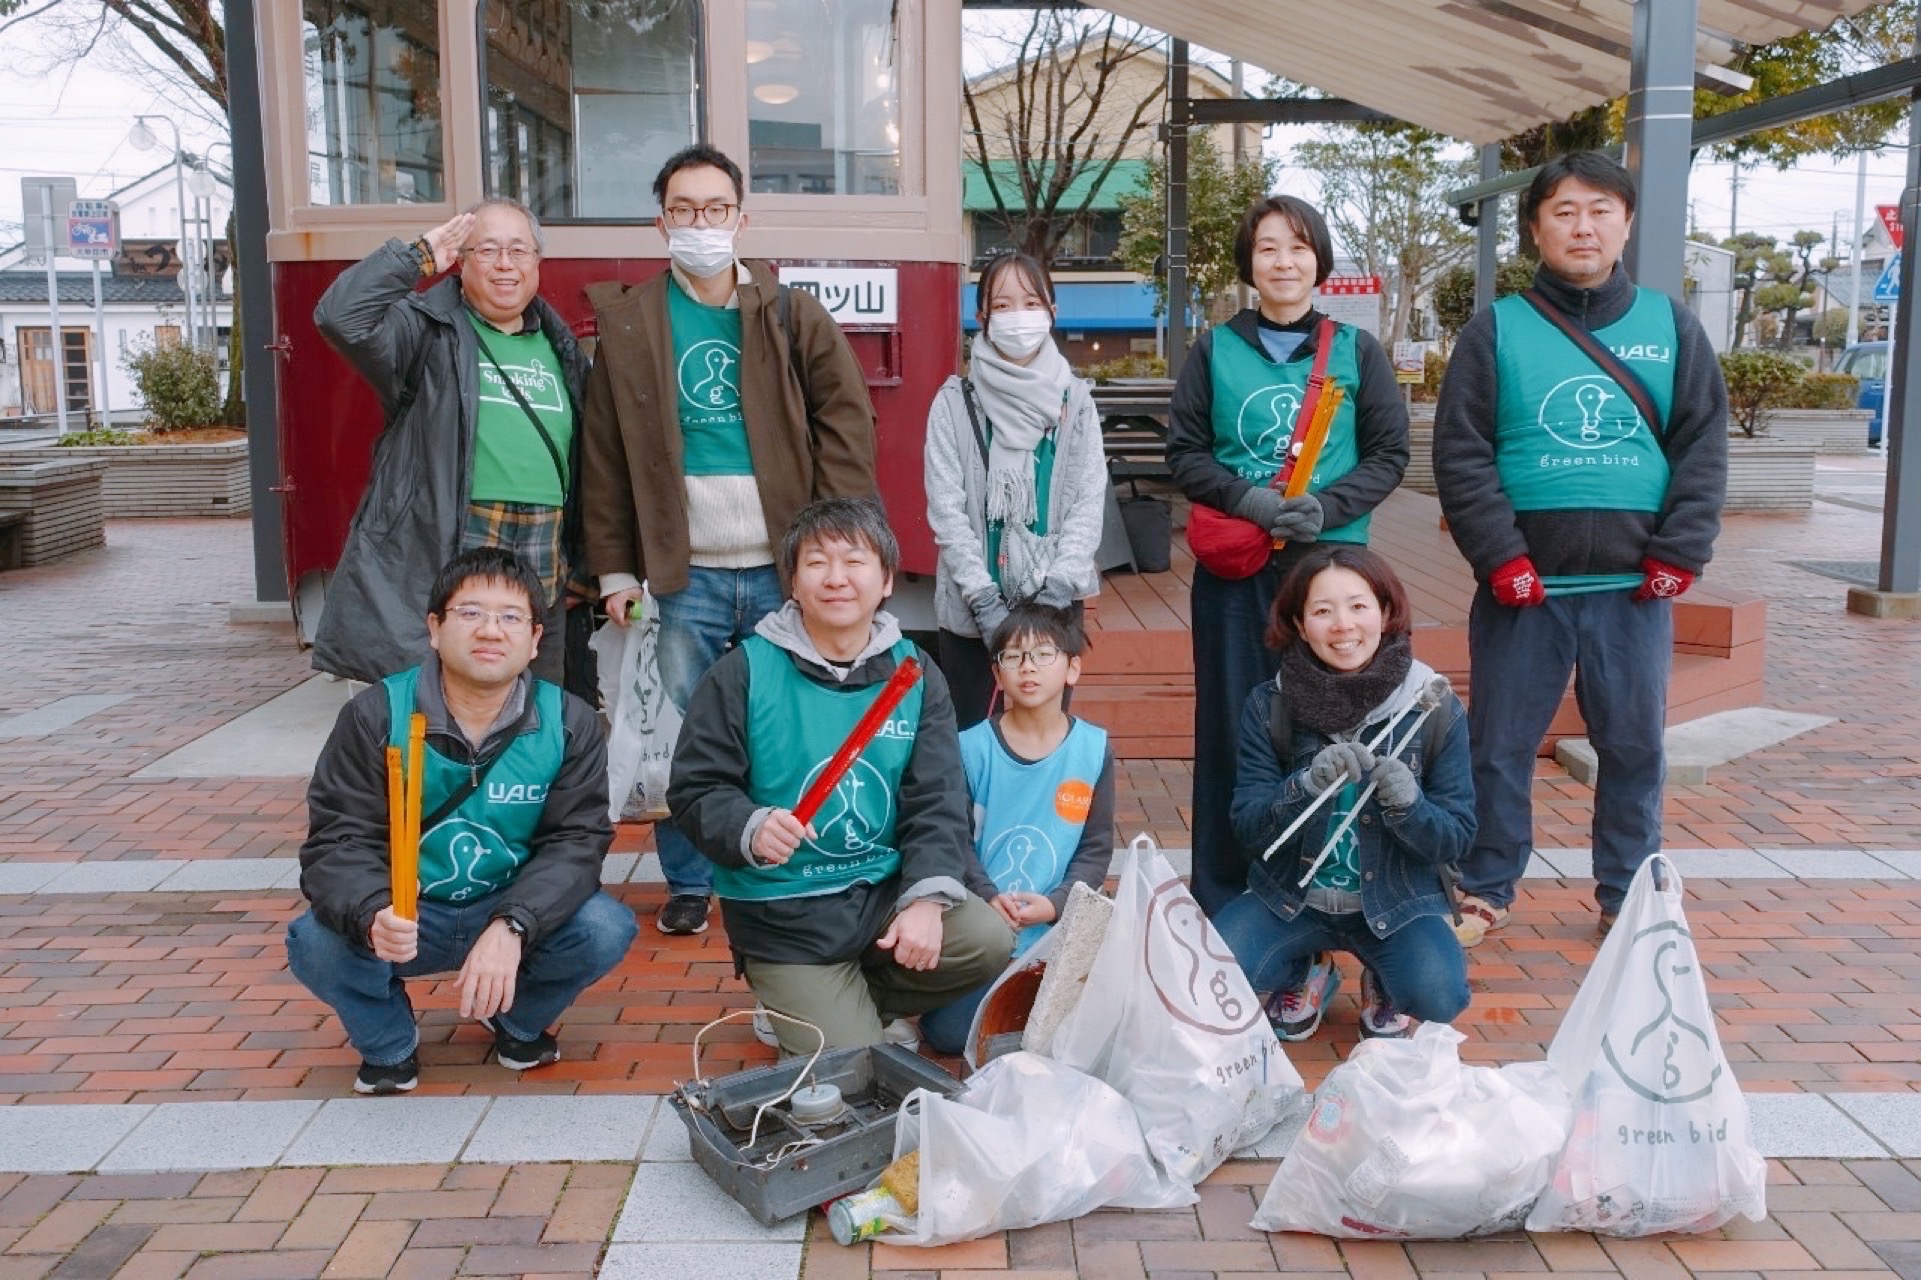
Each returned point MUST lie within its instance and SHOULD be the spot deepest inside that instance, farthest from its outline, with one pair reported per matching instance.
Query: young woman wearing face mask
(1230, 425)
(1016, 478)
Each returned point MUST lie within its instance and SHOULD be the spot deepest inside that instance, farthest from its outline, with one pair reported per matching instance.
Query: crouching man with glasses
(720, 403)
(479, 382)
(513, 829)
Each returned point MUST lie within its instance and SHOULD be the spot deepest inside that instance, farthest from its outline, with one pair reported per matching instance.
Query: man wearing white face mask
(720, 403)
(1015, 477)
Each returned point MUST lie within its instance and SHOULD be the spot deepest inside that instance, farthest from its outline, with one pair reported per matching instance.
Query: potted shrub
(1820, 410)
(1764, 473)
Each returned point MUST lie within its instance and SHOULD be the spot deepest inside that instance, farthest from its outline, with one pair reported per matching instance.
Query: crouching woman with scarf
(1347, 671)
(1015, 479)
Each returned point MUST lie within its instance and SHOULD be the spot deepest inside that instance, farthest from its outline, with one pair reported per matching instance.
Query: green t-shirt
(707, 369)
(511, 464)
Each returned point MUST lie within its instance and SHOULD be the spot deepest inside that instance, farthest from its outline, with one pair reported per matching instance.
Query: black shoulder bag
(1611, 364)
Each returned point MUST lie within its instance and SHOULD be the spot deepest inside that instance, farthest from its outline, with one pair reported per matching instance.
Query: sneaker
(1380, 1020)
(522, 1055)
(401, 1077)
(902, 1032)
(1479, 918)
(1295, 1012)
(684, 914)
(764, 1028)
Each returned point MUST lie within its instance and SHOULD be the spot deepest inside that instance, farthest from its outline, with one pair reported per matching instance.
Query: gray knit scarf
(1023, 403)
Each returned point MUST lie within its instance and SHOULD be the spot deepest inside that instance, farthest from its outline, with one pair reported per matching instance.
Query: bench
(13, 525)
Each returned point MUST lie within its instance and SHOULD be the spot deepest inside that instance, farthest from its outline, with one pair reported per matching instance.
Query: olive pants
(852, 1001)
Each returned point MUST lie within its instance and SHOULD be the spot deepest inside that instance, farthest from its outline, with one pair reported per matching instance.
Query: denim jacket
(1400, 851)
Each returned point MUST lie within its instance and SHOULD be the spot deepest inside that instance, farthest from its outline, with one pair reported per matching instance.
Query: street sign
(1410, 362)
(1890, 215)
(1888, 287)
(36, 196)
(1352, 299)
(93, 229)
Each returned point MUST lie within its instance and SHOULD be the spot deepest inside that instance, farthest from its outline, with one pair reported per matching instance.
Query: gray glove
(1054, 594)
(1339, 762)
(1300, 519)
(1261, 505)
(989, 610)
(1394, 785)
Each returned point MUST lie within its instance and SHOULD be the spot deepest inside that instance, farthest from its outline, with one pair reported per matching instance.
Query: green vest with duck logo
(479, 847)
(1256, 401)
(794, 727)
(1567, 438)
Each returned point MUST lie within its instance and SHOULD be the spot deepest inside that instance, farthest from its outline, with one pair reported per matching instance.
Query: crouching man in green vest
(862, 916)
(513, 830)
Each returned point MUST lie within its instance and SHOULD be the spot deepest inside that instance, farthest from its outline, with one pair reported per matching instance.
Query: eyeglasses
(1011, 659)
(518, 254)
(711, 215)
(469, 615)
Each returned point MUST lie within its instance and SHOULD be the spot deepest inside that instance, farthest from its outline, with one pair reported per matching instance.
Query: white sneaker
(764, 1028)
(902, 1032)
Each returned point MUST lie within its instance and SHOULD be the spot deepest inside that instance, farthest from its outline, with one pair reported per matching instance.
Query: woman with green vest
(1016, 479)
(1239, 409)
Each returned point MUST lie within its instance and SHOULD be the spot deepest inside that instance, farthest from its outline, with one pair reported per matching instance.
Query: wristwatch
(514, 927)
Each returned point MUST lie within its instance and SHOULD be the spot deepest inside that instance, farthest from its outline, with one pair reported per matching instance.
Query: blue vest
(479, 847)
(1028, 816)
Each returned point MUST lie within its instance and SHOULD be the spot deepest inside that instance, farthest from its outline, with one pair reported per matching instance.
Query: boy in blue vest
(513, 830)
(861, 916)
(1586, 498)
(1042, 783)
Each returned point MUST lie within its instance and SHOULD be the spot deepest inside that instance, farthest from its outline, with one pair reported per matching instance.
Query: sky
(76, 122)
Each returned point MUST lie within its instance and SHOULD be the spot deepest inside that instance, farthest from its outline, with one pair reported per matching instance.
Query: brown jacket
(807, 443)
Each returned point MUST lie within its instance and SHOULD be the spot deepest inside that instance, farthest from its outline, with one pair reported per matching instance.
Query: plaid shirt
(529, 530)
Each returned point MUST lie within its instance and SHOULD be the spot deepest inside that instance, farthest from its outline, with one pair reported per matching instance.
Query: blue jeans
(368, 994)
(718, 609)
(945, 1029)
(1420, 964)
(1619, 652)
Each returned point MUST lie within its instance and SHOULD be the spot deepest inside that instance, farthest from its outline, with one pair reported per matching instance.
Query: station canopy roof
(1478, 70)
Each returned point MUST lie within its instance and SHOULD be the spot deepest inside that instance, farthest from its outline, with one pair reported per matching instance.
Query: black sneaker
(684, 914)
(401, 1077)
(522, 1055)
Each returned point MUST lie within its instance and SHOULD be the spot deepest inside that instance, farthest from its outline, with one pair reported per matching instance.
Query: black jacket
(1380, 425)
(1485, 525)
(710, 804)
(344, 869)
(418, 352)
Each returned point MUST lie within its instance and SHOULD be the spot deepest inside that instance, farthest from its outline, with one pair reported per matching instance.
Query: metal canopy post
(1900, 580)
(1178, 114)
(1487, 248)
(253, 294)
(1660, 128)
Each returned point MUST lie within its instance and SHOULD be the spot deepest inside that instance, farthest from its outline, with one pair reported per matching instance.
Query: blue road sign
(1888, 287)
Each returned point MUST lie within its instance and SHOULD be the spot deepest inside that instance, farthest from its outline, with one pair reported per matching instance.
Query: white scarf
(1023, 403)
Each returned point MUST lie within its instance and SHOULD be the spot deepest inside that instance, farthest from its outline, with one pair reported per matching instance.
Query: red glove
(1517, 585)
(1663, 581)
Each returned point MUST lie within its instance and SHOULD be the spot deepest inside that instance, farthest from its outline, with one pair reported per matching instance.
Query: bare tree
(1068, 100)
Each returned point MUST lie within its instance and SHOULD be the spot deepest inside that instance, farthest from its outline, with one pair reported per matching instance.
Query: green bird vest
(1566, 437)
(794, 727)
(480, 846)
(1255, 404)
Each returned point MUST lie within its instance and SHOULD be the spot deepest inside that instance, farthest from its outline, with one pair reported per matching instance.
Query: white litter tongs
(1432, 695)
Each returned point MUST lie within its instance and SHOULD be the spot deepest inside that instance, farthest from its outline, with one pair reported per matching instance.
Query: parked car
(1868, 361)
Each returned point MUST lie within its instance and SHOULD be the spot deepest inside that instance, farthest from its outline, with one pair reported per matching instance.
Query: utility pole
(1854, 254)
(1734, 203)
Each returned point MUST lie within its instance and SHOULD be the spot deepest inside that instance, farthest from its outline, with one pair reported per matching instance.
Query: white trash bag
(643, 721)
(1168, 1018)
(1406, 1143)
(1028, 1141)
(1661, 1139)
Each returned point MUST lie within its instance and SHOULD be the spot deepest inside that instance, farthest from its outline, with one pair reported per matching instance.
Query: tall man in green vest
(863, 915)
(719, 405)
(1582, 519)
(513, 829)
